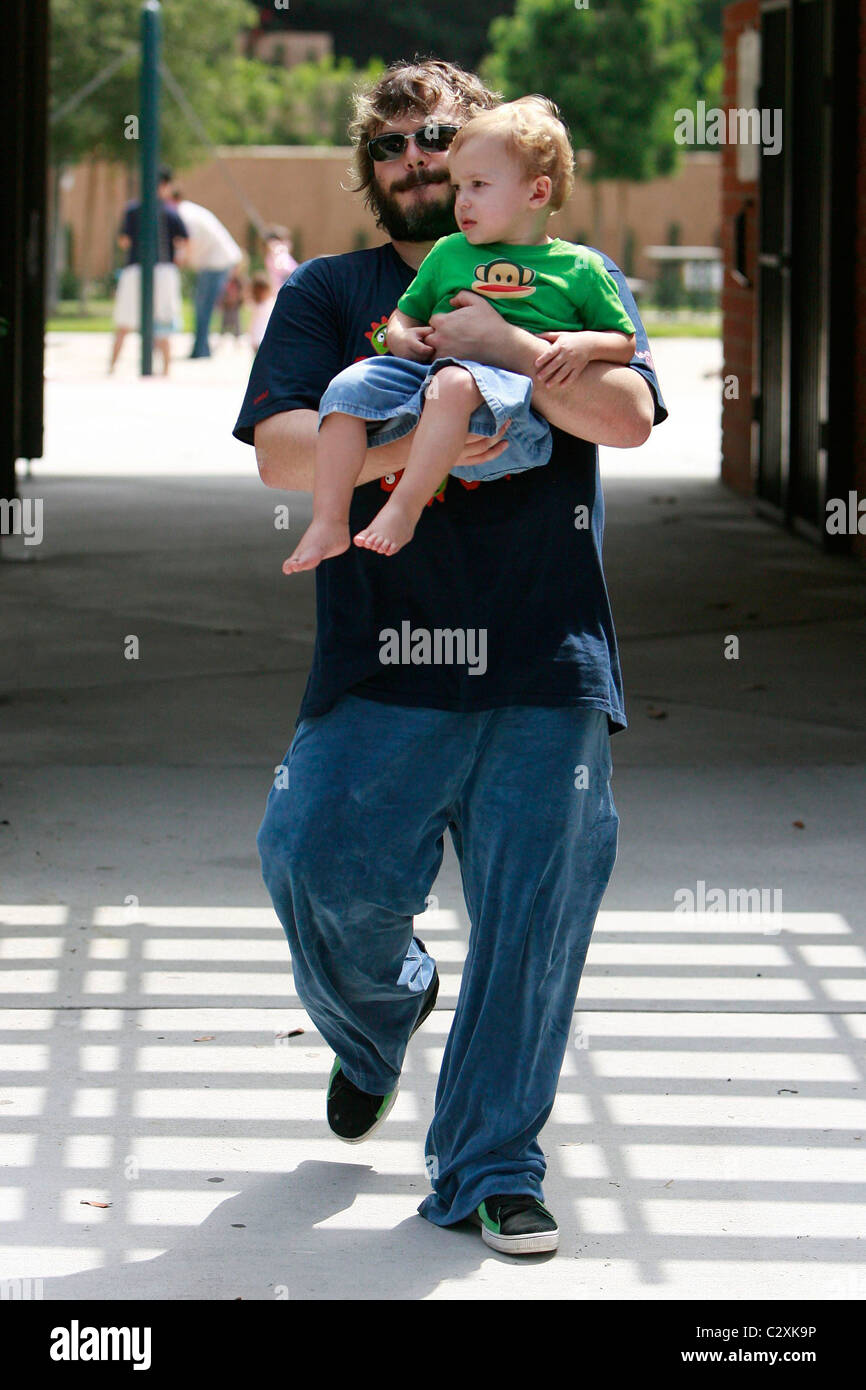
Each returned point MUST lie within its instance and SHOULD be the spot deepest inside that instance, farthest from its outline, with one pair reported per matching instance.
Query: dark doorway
(804, 406)
(23, 160)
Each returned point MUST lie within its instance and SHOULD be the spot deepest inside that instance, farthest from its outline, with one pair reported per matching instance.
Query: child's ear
(542, 189)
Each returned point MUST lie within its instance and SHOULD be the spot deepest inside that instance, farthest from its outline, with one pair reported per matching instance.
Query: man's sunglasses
(432, 138)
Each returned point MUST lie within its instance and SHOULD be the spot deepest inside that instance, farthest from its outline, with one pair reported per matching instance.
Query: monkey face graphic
(503, 280)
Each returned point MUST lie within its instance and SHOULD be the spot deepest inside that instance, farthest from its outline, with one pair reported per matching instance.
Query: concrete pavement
(707, 1137)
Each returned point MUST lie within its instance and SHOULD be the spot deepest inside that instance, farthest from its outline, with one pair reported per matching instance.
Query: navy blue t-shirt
(169, 225)
(518, 560)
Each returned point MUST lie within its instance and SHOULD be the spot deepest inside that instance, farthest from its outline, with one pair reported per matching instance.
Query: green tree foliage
(199, 47)
(457, 29)
(309, 104)
(703, 23)
(617, 70)
(452, 29)
(698, 25)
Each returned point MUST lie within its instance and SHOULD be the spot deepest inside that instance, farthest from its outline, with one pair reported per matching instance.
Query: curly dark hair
(403, 89)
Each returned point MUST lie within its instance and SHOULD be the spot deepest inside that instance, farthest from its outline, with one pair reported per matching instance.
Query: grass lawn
(688, 324)
(98, 318)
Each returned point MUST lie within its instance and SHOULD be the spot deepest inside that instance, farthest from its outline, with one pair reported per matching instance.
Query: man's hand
(483, 448)
(606, 404)
(473, 329)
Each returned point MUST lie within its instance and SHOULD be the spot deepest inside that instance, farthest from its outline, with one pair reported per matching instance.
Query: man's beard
(425, 221)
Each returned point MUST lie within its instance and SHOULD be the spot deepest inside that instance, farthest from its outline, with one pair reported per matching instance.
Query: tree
(308, 104)
(452, 29)
(199, 47)
(87, 37)
(617, 70)
(703, 24)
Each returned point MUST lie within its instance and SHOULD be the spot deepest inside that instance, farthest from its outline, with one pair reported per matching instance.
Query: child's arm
(569, 353)
(406, 337)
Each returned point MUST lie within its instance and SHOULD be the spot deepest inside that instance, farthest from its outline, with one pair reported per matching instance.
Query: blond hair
(534, 134)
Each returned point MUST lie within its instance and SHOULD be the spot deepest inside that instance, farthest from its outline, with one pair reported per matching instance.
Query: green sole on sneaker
(381, 1115)
(388, 1100)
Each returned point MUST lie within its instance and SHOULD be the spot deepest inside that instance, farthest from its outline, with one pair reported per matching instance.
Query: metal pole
(148, 224)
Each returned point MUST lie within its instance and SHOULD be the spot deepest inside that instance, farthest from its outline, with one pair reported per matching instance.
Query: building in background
(285, 47)
(306, 188)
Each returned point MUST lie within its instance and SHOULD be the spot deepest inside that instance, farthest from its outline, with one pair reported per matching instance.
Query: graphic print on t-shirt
(505, 558)
(376, 334)
(503, 279)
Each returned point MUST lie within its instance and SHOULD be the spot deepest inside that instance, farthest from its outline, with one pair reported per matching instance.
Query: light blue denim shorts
(388, 392)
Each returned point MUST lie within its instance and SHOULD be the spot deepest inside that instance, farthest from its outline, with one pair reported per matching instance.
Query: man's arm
(285, 445)
(605, 404)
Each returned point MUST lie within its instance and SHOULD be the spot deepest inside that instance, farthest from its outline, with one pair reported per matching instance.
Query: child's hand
(411, 343)
(565, 359)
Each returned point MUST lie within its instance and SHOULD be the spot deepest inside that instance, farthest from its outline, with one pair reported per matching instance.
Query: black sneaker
(516, 1224)
(353, 1115)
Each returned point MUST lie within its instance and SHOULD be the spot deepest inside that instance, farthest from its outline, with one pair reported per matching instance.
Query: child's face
(494, 199)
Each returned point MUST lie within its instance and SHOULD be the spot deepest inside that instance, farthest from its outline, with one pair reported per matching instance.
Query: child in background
(264, 298)
(279, 261)
(511, 168)
(230, 301)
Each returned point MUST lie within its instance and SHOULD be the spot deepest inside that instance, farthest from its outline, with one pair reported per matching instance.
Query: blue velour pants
(209, 285)
(350, 849)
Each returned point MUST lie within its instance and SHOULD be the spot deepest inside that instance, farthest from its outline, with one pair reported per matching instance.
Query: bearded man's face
(411, 197)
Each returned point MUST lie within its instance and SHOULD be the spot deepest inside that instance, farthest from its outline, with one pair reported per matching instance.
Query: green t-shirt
(557, 286)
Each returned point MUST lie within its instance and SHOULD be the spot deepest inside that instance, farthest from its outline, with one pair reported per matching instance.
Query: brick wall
(739, 302)
(300, 187)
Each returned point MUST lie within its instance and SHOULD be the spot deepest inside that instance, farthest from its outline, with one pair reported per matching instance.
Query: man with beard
(513, 760)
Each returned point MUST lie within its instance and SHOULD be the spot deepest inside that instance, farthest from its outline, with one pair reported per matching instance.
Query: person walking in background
(279, 261)
(172, 238)
(230, 301)
(213, 254)
(264, 298)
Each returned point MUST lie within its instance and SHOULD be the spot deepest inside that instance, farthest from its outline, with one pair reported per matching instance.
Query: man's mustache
(411, 180)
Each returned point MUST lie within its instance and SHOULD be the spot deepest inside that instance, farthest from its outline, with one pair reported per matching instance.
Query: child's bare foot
(320, 541)
(389, 530)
